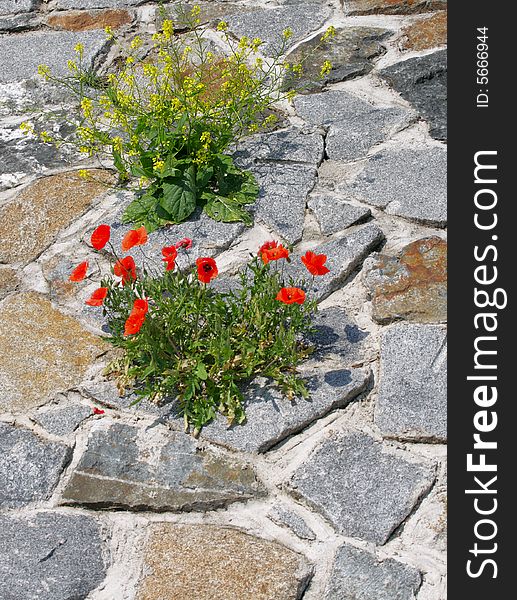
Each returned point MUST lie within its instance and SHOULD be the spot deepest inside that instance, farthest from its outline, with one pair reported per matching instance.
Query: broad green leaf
(227, 210)
(201, 371)
(203, 177)
(142, 211)
(179, 195)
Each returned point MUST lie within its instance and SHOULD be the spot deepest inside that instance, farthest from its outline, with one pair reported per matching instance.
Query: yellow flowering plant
(169, 112)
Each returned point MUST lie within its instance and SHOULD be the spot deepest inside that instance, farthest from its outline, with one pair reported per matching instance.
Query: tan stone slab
(84, 20)
(396, 7)
(206, 562)
(8, 281)
(426, 33)
(31, 221)
(42, 351)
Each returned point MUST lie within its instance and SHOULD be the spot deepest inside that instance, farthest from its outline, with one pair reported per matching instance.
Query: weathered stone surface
(8, 281)
(155, 469)
(411, 286)
(271, 417)
(336, 335)
(62, 421)
(412, 401)
(393, 7)
(344, 255)
(268, 24)
(289, 144)
(364, 489)
(50, 556)
(283, 197)
(285, 517)
(205, 562)
(19, 22)
(16, 6)
(210, 12)
(52, 48)
(426, 33)
(355, 126)
(29, 467)
(87, 4)
(359, 575)
(422, 81)
(334, 213)
(409, 182)
(30, 222)
(84, 20)
(42, 351)
(352, 53)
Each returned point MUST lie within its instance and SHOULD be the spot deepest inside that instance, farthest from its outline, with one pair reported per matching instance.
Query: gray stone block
(409, 182)
(156, 470)
(12, 7)
(29, 466)
(359, 575)
(422, 81)
(271, 417)
(363, 488)
(412, 401)
(335, 214)
(285, 517)
(50, 556)
(62, 421)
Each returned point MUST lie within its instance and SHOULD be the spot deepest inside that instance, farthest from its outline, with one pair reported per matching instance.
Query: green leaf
(227, 210)
(203, 177)
(179, 195)
(143, 211)
(118, 162)
(201, 371)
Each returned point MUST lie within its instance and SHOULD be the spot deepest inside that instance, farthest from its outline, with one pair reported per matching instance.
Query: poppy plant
(126, 269)
(315, 263)
(100, 237)
(206, 269)
(137, 317)
(79, 273)
(169, 257)
(97, 297)
(184, 243)
(275, 253)
(291, 295)
(134, 237)
(267, 246)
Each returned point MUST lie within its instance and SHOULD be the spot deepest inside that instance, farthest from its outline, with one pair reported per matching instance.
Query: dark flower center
(207, 268)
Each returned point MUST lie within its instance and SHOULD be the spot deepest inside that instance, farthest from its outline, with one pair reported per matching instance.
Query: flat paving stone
(350, 479)
(42, 352)
(334, 214)
(269, 23)
(206, 562)
(409, 182)
(19, 22)
(359, 575)
(354, 125)
(422, 81)
(411, 286)
(352, 53)
(392, 7)
(82, 4)
(32, 220)
(156, 469)
(344, 255)
(50, 556)
(30, 467)
(8, 281)
(426, 33)
(412, 401)
(62, 420)
(16, 6)
(285, 517)
(52, 48)
(85, 20)
(271, 417)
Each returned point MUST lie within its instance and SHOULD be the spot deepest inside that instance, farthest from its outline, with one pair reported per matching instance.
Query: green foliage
(170, 109)
(200, 346)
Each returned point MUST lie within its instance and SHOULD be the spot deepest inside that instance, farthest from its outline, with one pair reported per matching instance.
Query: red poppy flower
(126, 269)
(100, 237)
(267, 246)
(97, 411)
(315, 263)
(206, 269)
(291, 295)
(79, 273)
(97, 298)
(134, 237)
(169, 257)
(184, 243)
(275, 253)
(140, 307)
(137, 317)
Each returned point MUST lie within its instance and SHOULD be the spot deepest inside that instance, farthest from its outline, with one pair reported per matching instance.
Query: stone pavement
(339, 497)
